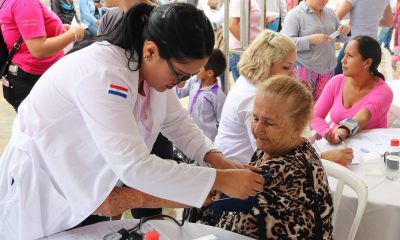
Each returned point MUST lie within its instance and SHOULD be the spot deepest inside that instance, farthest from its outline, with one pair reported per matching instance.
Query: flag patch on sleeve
(117, 90)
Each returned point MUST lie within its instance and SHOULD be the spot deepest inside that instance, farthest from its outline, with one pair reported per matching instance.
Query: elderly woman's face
(285, 67)
(271, 126)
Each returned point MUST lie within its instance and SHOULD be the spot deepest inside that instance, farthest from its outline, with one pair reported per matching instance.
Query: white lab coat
(72, 142)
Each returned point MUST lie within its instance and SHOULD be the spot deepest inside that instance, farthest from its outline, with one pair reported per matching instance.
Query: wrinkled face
(317, 4)
(285, 67)
(273, 130)
(162, 74)
(352, 62)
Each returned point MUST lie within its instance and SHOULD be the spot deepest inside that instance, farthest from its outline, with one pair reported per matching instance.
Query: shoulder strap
(315, 207)
(15, 48)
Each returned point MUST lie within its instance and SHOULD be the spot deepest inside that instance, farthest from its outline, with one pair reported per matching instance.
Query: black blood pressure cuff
(228, 204)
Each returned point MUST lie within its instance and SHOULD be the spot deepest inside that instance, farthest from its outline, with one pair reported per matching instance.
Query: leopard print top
(287, 198)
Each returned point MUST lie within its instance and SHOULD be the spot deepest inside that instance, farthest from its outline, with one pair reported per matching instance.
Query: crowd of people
(95, 129)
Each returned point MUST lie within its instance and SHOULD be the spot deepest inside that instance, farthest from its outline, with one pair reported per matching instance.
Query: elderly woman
(270, 54)
(357, 99)
(295, 203)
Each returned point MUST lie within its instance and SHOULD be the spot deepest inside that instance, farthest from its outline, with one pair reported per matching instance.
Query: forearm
(234, 28)
(124, 198)
(386, 22)
(45, 47)
(319, 125)
(387, 18)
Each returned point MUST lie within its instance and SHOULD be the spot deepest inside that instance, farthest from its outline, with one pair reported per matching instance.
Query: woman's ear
(150, 50)
(368, 63)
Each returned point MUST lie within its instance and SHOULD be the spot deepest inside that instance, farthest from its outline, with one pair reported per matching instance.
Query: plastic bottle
(392, 157)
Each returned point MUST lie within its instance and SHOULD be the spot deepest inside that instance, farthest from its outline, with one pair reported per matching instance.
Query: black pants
(20, 85)
(162, 148)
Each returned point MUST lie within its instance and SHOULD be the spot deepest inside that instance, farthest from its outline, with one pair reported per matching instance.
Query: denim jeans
(338, 69)
(275, 25)
(233, 61)
(385, 36)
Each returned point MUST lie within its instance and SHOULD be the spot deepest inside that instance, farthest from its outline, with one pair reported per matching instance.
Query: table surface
(382, 214)
(167, 229)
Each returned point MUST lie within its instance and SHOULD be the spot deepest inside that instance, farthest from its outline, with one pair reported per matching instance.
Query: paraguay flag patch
(117, 90)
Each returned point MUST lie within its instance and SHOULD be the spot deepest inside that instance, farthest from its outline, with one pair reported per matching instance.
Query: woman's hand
(339, 155)
(79, 31)
(340, 134)
(318, 38)
(330, 137)
(344, 29)
(239, 183)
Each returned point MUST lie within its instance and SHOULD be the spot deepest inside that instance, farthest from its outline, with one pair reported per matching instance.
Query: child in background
(206, 98)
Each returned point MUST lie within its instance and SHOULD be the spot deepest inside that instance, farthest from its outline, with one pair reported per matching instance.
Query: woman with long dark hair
(89, 124)
(359, 98)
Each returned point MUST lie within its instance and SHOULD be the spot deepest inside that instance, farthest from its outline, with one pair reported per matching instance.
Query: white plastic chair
(346, 177)
(393, 116)
(387, 59)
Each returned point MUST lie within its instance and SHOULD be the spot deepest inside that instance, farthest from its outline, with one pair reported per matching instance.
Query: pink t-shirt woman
(377, 102)
(29, 19)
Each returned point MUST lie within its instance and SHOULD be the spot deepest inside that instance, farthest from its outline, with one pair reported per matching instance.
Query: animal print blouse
(287, 200)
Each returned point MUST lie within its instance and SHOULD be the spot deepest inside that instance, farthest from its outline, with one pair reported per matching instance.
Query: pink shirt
(255, 21)
(377, 102)
(146, 119)
(29, 19)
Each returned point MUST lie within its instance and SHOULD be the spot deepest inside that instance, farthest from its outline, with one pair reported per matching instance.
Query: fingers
(245, 183)
(217, 196)
(252, 168)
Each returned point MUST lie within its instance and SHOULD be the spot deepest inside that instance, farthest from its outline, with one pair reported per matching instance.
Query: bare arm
(363, 116)
(387, 18)
(42, 47)
(124, 198)
(234, 27)
(343, 9)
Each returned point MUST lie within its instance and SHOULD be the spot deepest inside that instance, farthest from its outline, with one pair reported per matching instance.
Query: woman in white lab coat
(89, 123)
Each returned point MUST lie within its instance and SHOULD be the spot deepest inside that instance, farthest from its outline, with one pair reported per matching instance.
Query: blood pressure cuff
(351, 125)
(228, 204)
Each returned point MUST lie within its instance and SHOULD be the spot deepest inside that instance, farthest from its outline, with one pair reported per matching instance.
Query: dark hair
(368, 47)
(179, 30)
(216, 62)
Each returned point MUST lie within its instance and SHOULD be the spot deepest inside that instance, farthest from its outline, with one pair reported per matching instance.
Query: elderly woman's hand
(339, 155)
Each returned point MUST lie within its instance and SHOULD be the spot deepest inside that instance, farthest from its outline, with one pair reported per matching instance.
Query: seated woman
(269, 54)
(359, 98)
(295, 203)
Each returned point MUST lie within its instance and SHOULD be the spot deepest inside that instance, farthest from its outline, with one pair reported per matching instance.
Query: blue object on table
(228, 204)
